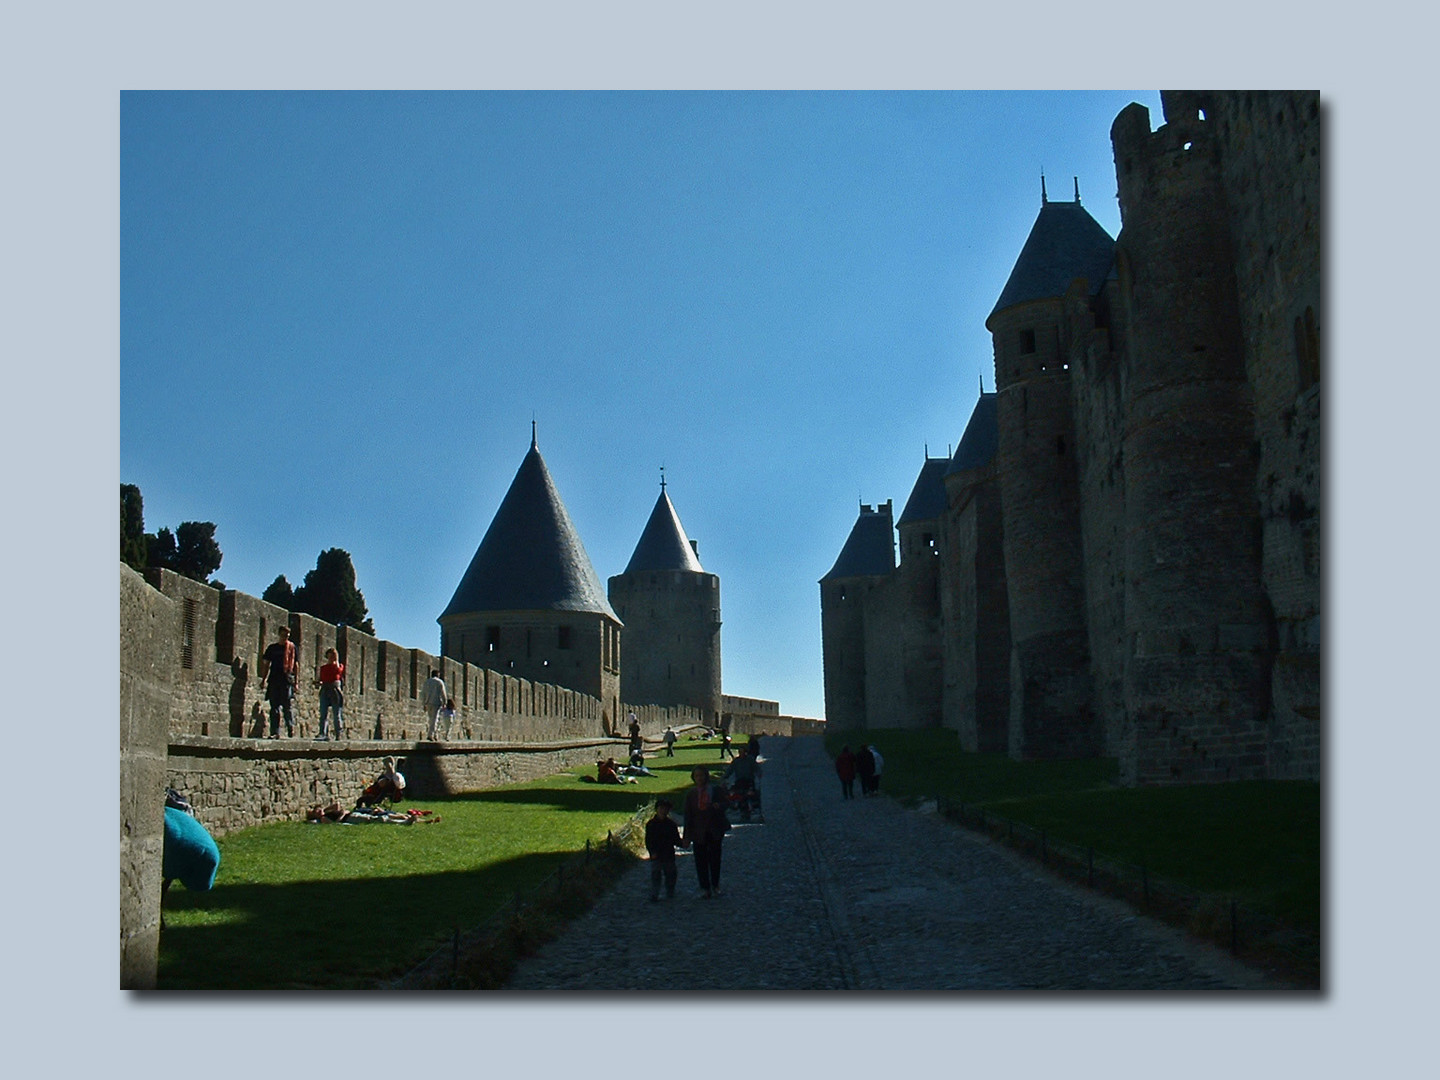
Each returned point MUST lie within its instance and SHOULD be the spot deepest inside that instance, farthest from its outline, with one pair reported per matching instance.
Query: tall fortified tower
(974, 604)
(915, 599)
(671, 610)
(1196, 618)
(1050, 703)
(530, 603)
(866, 561)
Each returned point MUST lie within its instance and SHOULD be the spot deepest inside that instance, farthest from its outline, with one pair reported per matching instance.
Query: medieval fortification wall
(1136, 572)
(194, 652)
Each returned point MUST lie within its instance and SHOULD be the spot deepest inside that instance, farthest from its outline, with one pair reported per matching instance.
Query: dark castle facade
(1122, 557)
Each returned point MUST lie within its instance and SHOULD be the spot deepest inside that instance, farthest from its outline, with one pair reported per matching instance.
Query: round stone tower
(1050, 708)
(530, 604)
(865, 562)
(1196, 618)
(671, 610)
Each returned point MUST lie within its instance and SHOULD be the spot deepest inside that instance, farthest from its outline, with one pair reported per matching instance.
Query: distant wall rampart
(190, 662)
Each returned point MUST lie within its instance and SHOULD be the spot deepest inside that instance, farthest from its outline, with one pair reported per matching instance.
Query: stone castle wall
(190, 657)
(1158, 465)
(148, 660)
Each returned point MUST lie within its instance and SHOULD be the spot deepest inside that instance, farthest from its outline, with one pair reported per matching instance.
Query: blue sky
(339, 313)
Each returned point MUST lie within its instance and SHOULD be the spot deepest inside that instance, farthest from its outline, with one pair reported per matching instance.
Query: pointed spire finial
(1043, 197)
(534, 438)
(982, 384)
(662, 479)
(1077, 191)
(927, 451)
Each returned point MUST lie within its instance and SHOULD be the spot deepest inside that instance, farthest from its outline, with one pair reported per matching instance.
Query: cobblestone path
(861, 894)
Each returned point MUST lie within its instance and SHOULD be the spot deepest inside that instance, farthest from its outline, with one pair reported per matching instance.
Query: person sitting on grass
(390, 784)
(607, 773)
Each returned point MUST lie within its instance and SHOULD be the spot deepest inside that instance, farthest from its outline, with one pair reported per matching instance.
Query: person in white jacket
(432, 696)
(879, 764)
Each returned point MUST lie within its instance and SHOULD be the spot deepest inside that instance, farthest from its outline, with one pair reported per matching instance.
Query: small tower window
(1027, 342)
(1060, 445)
(564, 637)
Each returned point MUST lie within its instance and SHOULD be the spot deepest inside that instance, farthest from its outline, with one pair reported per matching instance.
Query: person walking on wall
(332, 693)
(845, 769)
(879, 765)
(277, 670)
(433, 696)
(705, 828)
(865, 767)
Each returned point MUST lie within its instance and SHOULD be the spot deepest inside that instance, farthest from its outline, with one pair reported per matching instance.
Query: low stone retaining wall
(770, 724)
(236, 783)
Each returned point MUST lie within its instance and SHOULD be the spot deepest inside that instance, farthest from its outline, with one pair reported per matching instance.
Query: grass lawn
(1256, 841)
(297, 905)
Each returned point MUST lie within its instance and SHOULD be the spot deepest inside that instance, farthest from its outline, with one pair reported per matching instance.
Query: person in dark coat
(865, 767)
(705, 828)
(845, 769)
(661, 839)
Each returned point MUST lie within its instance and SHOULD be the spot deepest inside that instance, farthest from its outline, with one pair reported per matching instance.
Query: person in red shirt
(845, 769)
(332, 694)
(705, 828)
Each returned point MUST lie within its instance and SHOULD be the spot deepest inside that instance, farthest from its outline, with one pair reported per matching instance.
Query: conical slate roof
(927, 497)
(531, 558)
(663, 545)
(982, 436)
(1065, 243)
(870, 548)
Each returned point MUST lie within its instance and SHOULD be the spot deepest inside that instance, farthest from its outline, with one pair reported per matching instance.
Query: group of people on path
(279, 674)
(866, 764)
(705, 824)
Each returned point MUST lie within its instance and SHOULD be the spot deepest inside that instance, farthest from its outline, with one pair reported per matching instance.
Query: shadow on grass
(344, 934)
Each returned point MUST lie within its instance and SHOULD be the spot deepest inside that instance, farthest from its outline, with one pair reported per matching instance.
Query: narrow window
(1060, 445)
(564, 637)
(187, 635)
(492, 638)
(1027, 341)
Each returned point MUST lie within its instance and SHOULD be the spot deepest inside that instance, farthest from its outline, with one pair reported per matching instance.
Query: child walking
(661, 838)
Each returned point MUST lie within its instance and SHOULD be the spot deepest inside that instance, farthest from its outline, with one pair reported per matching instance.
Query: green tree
(329, 592)
(160, 549)
(197, 555)
(132, 527)
(279, 593)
